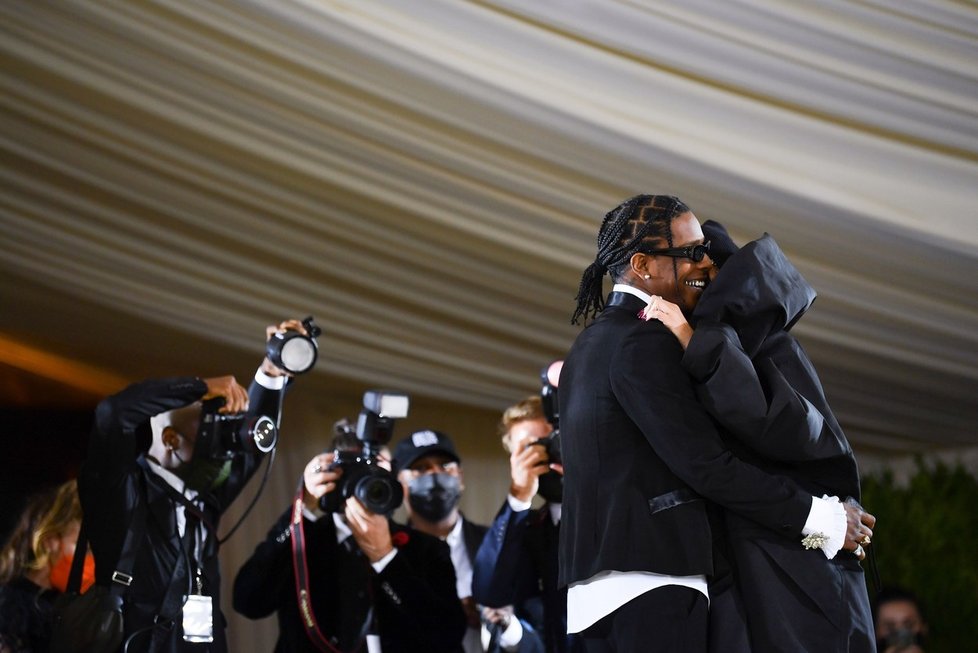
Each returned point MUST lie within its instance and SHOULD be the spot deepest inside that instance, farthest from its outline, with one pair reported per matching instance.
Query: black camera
(549, 376)
(375, 487)
(292, 351)
(221, 436)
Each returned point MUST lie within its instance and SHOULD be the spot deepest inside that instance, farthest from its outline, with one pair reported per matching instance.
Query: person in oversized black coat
(756, 380)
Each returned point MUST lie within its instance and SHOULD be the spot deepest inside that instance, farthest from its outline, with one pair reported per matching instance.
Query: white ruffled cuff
(825, 527)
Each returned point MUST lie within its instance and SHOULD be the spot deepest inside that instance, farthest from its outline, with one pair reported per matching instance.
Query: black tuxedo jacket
(115, 483)
(640, 451)
(415, 602)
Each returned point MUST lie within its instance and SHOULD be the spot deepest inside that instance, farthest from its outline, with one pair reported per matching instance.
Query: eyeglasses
(693, 252)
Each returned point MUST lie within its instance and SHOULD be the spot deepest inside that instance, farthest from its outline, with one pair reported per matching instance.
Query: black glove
(722, 245)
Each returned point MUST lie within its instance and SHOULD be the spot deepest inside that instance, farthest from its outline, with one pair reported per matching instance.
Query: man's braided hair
(624, 229)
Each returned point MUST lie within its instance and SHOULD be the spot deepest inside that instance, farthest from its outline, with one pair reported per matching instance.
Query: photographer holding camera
(338, 572)
(161, 470)
(517, 562)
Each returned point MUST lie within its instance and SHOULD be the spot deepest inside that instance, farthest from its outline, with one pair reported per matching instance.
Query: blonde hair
(529, 408)
(47, 515)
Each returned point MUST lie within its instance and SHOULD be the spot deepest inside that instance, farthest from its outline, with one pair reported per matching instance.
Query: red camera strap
(302, 593)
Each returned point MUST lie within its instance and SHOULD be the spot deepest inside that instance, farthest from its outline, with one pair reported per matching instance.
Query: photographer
(144, 476)
(430, 471)
(517, 562)
(369, 577)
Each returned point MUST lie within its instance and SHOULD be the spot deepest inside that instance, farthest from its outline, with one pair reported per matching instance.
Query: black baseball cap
(420, 444)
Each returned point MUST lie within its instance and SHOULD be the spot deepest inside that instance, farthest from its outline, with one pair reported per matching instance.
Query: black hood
(758, 292)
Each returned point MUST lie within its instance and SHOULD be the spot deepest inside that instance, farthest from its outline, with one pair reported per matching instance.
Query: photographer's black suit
(639, 451)
(757, 381)
(416, 606)
(116, 481)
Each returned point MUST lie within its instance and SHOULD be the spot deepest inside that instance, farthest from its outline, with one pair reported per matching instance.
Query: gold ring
(865, 541)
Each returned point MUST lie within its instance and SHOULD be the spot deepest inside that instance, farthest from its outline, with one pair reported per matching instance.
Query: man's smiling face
(678, 279)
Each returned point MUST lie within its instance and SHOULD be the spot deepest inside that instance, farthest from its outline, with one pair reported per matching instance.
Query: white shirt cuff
(270, 382)
(509, 639)
(383, 562)
(312, 515)
(827, 517)
(516, 505)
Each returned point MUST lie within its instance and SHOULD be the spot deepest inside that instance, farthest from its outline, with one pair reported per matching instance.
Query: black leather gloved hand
(722, 245)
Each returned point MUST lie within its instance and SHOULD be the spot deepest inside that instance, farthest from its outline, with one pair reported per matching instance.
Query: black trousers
(670, 619)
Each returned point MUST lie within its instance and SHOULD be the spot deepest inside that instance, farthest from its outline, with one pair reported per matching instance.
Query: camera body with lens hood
(375, 487)
(221, 436)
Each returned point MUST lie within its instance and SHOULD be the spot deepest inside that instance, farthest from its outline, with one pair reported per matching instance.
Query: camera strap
(302, 590)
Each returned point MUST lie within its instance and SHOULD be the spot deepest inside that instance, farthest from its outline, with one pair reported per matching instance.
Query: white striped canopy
(427, 177)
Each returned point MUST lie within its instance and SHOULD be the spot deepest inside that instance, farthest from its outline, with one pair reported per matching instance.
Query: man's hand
(500, 616)
(371, 531)
(525, 469)
(267, 366)
(859, 528)
(235, 396)
(319, 479)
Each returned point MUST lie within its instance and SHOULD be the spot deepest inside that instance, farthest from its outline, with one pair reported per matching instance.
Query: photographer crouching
(166, 458)
(339, 573)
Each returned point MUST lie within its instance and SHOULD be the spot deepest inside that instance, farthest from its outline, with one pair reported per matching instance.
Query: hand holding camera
(376, 487)
(235, 396)
(371, 531)
(291, 347)
(526, 465)
(320, 477)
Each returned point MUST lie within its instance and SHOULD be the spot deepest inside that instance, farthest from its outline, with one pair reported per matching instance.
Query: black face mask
(901, 639)
(202, 474)
(433, 496)
(552, 487)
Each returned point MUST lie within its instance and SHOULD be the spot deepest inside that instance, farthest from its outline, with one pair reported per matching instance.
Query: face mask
(433, 496)
(551, 487)
(204, 475)
(62, 569)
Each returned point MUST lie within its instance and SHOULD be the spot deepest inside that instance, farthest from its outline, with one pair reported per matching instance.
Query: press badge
(198, 619)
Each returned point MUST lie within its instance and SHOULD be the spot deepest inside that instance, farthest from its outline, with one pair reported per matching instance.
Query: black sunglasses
(693, 252)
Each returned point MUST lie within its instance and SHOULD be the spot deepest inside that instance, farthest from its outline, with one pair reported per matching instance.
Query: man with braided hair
(640, 453)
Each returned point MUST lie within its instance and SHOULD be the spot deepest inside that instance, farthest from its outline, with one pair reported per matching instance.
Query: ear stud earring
(647, 276)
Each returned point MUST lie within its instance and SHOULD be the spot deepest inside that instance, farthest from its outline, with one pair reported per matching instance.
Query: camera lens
(379, 494)
(292, 351)
(298, 354)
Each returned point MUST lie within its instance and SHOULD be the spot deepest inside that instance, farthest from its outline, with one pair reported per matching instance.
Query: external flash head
(294, 352)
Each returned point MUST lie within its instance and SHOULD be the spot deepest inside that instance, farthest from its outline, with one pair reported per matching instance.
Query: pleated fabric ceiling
(427, 177)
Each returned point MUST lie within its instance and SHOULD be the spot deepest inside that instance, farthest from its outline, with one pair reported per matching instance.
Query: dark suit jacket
(472, 535)
(416, 605)
(115, 483)
(517, 565)
(754, 377)
(639, 451)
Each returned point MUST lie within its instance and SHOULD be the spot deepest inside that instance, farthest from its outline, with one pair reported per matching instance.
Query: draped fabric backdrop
(427, 178)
